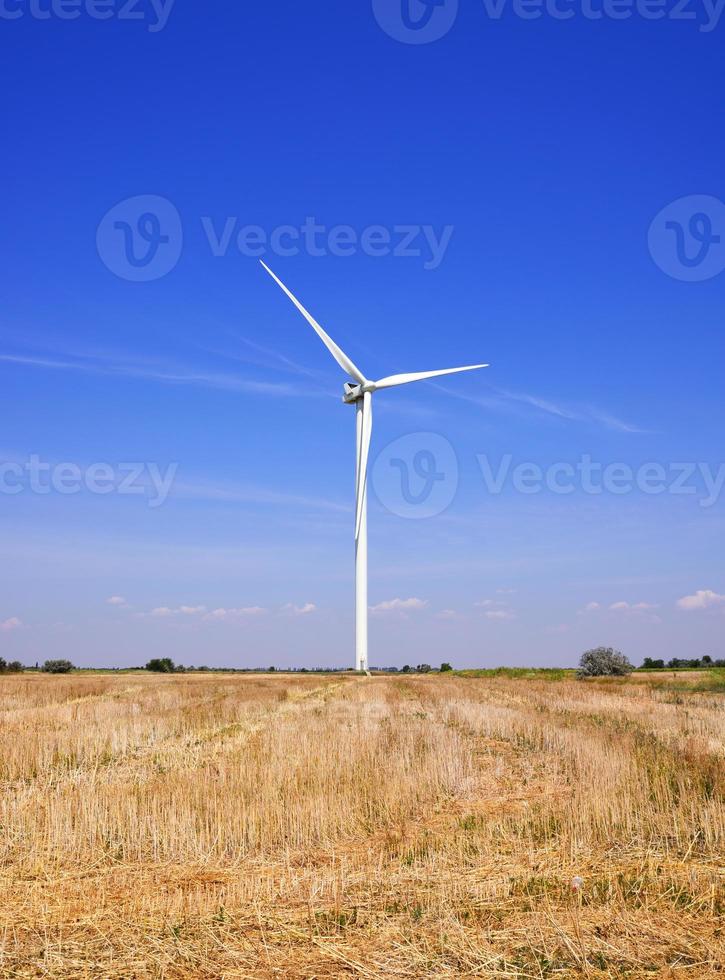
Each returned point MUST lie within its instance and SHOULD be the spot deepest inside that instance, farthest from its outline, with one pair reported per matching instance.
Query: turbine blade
(403, 379)
(365, 432)
(340, 356)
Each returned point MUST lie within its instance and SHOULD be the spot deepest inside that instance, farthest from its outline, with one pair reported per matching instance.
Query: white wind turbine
(359, 393)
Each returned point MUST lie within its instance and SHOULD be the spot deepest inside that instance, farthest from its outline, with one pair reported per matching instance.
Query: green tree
(604, 662)
(445, 668)
(57, 667)
(161, 665)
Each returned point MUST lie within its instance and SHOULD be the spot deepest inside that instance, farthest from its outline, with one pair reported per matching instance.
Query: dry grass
(227, 826)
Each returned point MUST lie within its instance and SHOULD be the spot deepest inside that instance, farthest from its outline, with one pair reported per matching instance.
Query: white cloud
(632, 607)
(399, 605)
(309, 607)
(220, 614)
(447, 614)
(116, 600)
(636, 609)
(702, 599)
(162, 612)
(232, 614)
(10, 624)
(590, 607)
(505, 591)
(495, 609)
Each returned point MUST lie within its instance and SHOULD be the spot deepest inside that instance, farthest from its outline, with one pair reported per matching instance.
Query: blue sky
(542, 194)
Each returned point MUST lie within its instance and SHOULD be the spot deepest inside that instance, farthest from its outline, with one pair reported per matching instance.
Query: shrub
(604, 662)
(424, 668)
(445, 668)
(161, 665)
(57, 667)
(14, 667)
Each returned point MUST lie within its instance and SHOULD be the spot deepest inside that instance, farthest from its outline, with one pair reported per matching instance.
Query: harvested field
(253, 826)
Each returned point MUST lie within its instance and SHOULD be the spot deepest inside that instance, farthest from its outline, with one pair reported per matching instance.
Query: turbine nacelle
(351, 392)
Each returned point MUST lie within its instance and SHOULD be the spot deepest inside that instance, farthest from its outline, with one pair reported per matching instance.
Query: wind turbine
(360, 394)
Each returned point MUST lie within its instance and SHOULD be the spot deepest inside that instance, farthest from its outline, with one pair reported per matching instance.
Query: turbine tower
(359, 393)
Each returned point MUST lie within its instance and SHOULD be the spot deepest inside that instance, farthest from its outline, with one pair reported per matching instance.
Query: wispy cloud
(503, 400)
(542, 404)
(249, 494)
(558, 628)
(161, 373)
(116, 600)
(447, 614)
(612, 422)
(267, 357)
